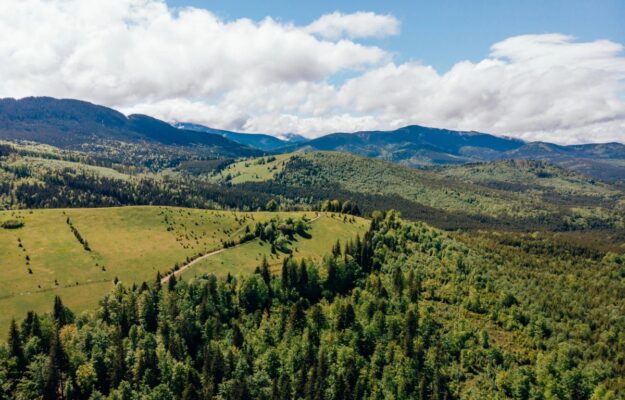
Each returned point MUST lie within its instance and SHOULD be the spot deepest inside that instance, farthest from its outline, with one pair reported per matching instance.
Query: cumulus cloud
(276, 77)
(128, 51)
(536, 87)
(356, 25)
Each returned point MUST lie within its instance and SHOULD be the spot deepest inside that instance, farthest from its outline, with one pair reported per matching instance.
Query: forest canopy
(405, 312)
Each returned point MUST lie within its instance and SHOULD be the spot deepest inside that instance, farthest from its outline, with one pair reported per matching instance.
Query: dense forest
(405, 312)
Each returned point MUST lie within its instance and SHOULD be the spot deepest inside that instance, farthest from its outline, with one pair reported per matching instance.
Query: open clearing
(45, 258)
(255, 169)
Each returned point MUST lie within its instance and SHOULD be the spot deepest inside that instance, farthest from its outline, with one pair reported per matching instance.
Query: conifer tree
(171, 283)
(264, 270)
(15, 346)
(57, 364)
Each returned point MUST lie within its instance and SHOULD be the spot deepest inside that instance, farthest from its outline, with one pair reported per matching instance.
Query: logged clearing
(46, 257)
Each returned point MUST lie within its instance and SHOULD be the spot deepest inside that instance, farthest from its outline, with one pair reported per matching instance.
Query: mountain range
(420, 146)
(258, 140)
(69, 123)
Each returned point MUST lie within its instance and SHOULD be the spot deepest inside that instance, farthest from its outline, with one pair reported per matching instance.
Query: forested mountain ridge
(519, 195)
(398, 145)
(257, 140)
(419, 146)
(407, 312)
(80, 125)
(75, 124)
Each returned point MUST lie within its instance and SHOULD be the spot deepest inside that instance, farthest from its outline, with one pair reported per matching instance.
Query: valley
(187, 261)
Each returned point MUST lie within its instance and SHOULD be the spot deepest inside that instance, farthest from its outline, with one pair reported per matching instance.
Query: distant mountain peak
(258, 140)
(291, 137)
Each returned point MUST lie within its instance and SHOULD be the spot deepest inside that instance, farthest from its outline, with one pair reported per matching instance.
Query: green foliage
(407, 312)
(520, 195)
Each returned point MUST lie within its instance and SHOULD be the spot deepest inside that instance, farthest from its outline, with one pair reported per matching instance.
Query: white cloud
(270, 76)
(356, 25)
(128, 51)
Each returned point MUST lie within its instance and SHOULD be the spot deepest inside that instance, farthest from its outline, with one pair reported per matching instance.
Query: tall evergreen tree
(15, 346)
(59, 312)
(264, 270)
(57, 364)
(171, 283)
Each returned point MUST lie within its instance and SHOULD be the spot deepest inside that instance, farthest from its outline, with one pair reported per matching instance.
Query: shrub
(12, 224)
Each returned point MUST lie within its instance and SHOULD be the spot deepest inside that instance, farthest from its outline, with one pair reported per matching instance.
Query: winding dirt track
(184, 267)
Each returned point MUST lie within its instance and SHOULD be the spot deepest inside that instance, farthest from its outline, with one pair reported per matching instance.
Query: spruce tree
(171, 283)
(57, 363)
(157, 282)
(285, 273)
(264, 270)
(15, 346)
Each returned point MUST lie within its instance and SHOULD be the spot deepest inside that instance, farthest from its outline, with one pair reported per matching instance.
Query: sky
(536, 70)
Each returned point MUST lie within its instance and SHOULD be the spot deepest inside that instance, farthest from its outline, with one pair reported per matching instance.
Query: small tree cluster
(77, 234)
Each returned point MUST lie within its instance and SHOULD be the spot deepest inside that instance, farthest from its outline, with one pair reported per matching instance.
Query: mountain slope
(419, 146)
(521, 194)
(256, 140)
(415, 145)
(68, 123)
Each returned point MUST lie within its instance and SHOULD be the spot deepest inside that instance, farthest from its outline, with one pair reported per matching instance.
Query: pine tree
(118, 365)
(15, 346)
(332, 277)
(157, 282)
(35, 327)
(57, 363)
(285, 273)
(398, 280)
(59, 313)
(411, 324)
(336, 249)
(264, 270)
(302, 278)
(414, 287)
(171, 283)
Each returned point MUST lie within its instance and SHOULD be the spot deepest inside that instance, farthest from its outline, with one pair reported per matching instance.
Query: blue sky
(441, 33)
(535, 70)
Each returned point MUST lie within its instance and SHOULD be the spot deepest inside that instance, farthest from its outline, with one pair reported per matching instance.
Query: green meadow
(246, 257)
(45, 258)
(255, 169)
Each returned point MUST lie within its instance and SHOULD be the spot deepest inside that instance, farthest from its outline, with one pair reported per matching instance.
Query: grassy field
(245, 258)
(45, 258)
(254, 170)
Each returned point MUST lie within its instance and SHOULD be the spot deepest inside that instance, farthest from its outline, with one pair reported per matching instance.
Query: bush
(12, 224)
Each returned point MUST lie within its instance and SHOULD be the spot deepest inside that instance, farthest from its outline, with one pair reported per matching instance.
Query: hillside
(146, 142)
(405, 312)
(75, 124)
(132, 244)
(518, 195)
(42, 176)
(256, 140)
(523, 195)
(419, 146)
(415, 145)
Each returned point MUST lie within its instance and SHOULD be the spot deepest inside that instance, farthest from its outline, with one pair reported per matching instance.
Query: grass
(44, 258)
(255, 170)
(245, 258)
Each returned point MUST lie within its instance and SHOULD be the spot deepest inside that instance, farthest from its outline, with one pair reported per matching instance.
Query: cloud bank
(276, 77)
